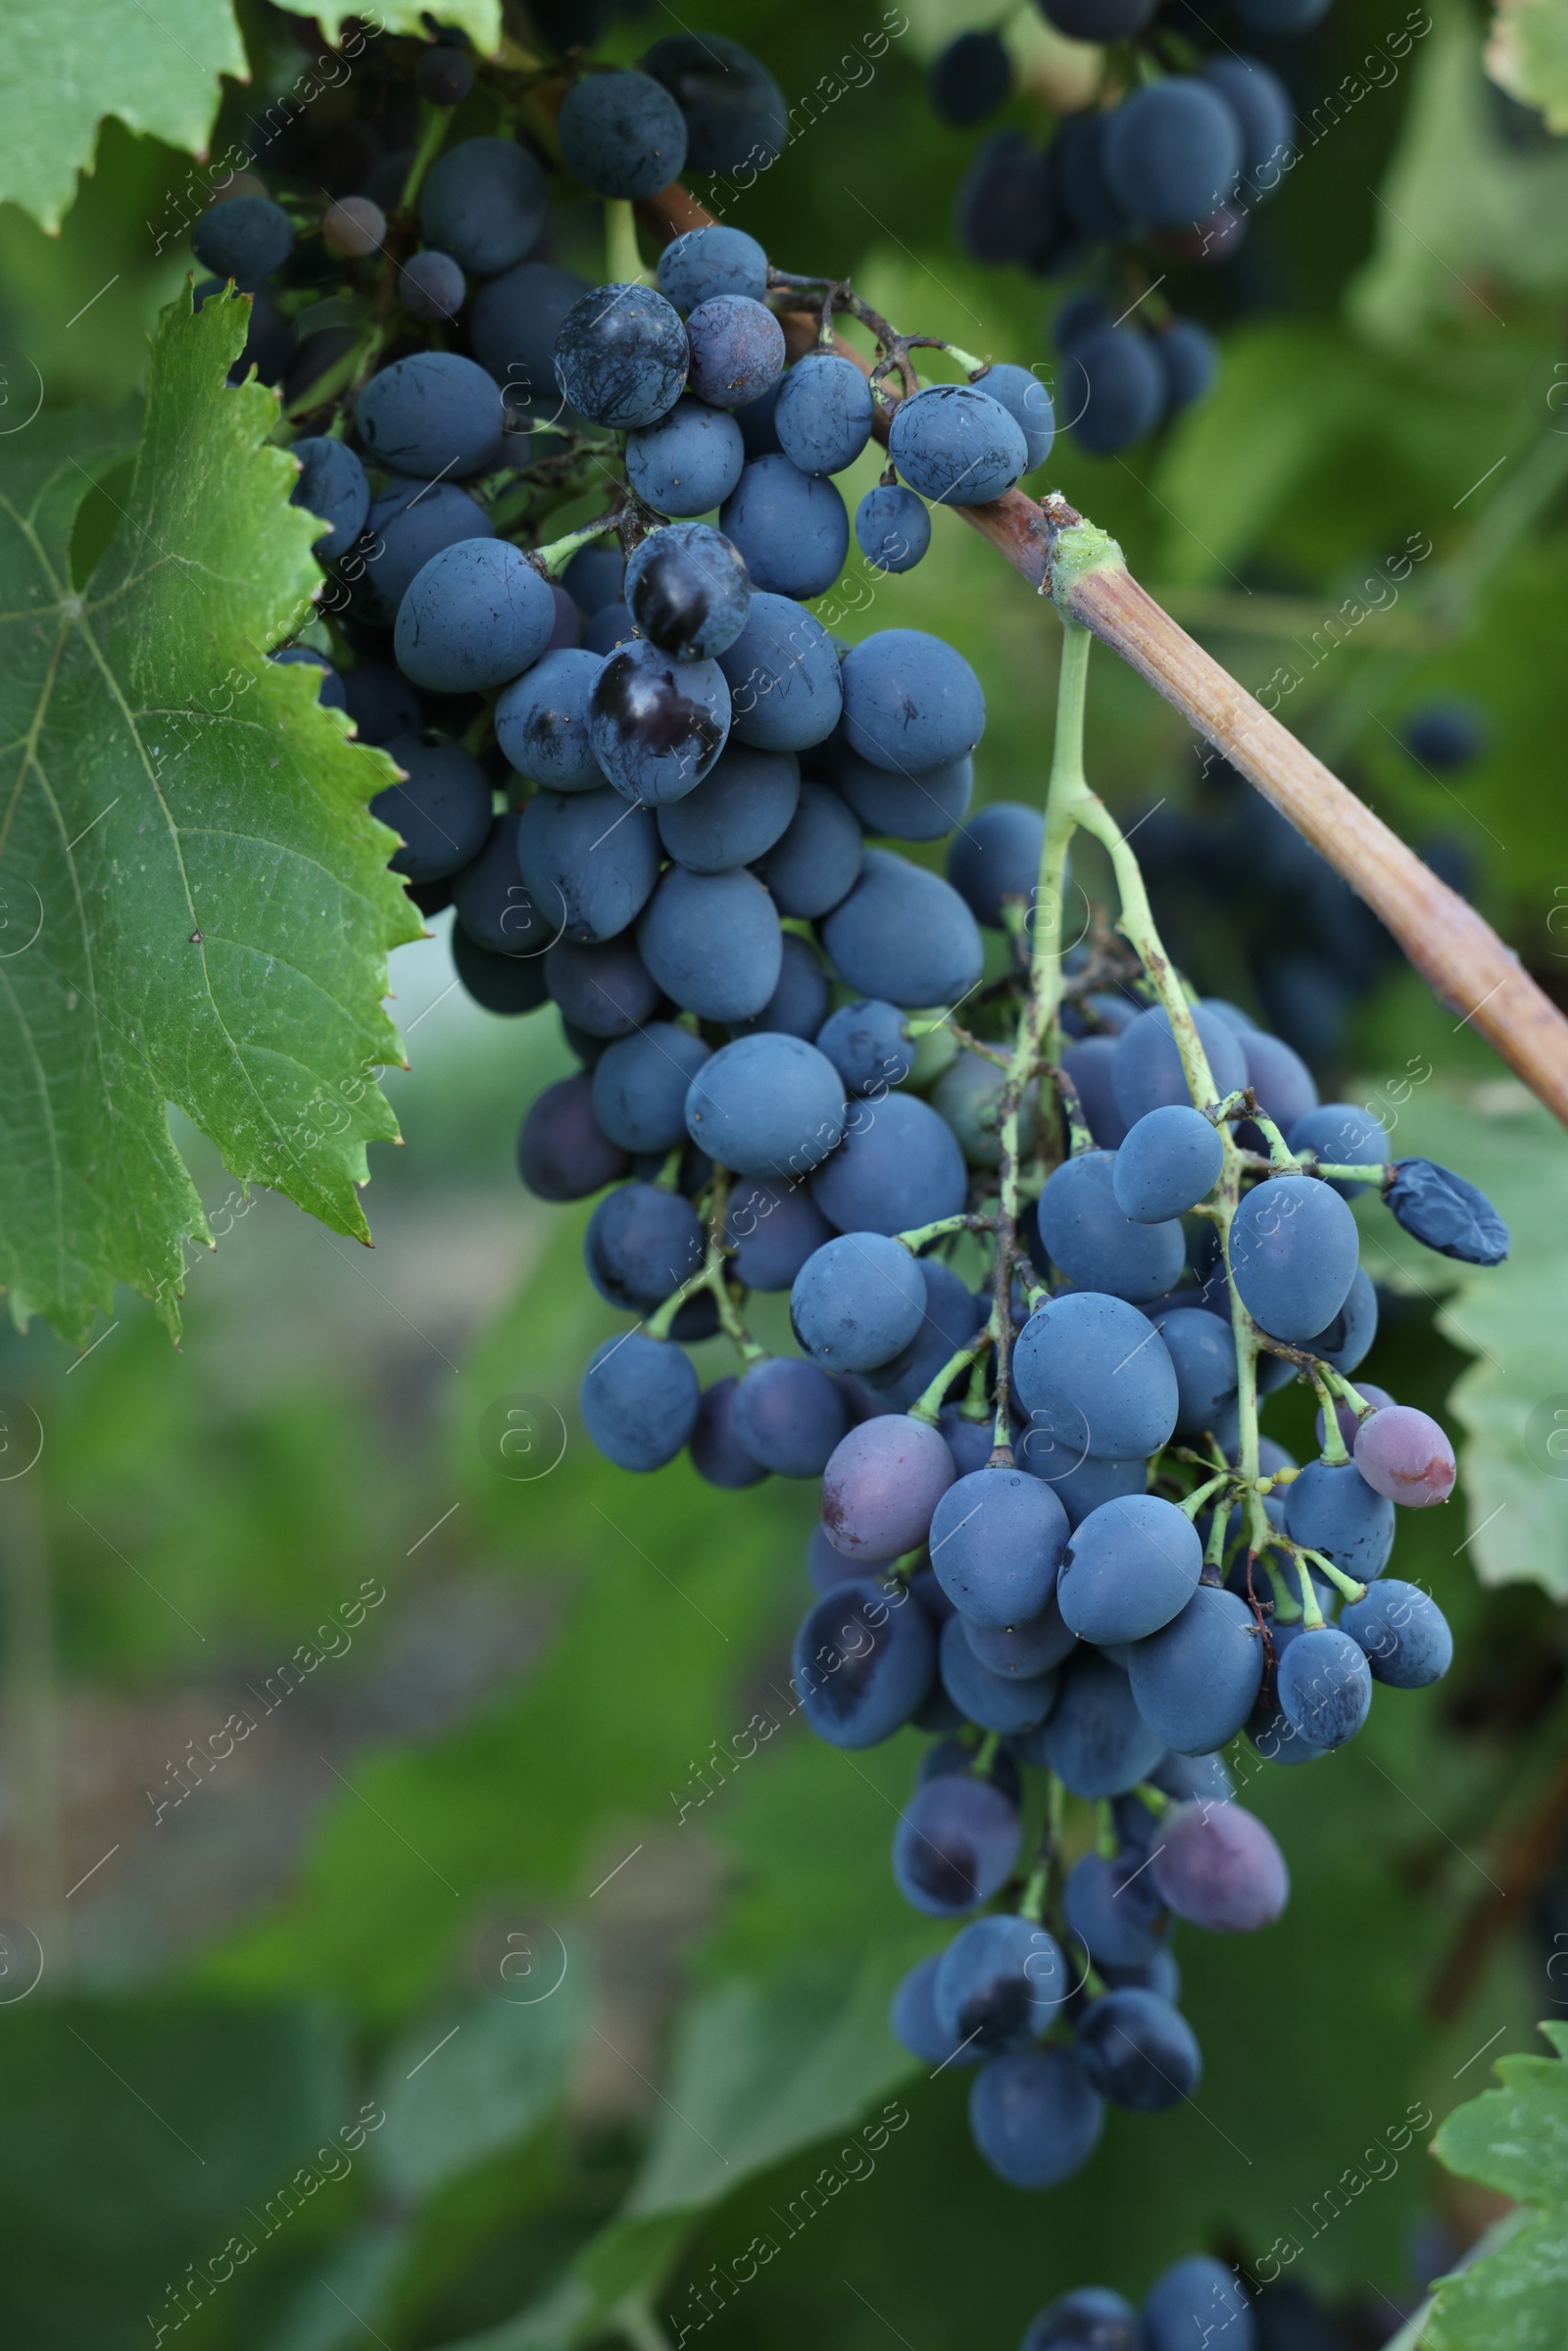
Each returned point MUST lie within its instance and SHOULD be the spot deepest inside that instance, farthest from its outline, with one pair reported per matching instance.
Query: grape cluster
(1047, 1227)
(1195, 2301)
(1164, 160)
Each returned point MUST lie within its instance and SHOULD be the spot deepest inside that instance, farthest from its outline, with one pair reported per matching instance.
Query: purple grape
(881, 1487)
(601, 986)
(1404, 1454)
(789, 1415)
(562, 1154)
(1217, 1866)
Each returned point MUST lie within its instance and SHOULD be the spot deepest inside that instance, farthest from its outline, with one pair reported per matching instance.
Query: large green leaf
(474, 2078)
(1515, 2139)
(189, 832)
(1511, 1319)
(1527, 56)
(1460, 210)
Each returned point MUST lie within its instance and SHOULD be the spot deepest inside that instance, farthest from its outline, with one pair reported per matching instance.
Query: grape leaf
(64, 67)
(197, 892)
(474, 2078)
(1514, 2138)
(1511, 1319)
(1526, 55)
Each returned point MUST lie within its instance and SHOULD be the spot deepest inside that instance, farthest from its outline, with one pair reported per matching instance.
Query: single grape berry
(710, 260)
(1446, 1212)
(656, 725)
(823, 413)
(1404, 1454)
(333, 486)
(444, 75)
(433, 287)
(246, 239)
(737, 350)
(892, 528)
(688, 590)
(620, 356)
(484, 202)
(354, 227)
(622, 135)
(956, 445)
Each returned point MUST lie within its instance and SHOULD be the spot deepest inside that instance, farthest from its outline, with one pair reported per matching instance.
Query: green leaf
(188, 830)
(474, 2078)
(1527, 56)
(64, 66)
(1515, 2299)
(1511, 1319)
(1515, 2139)
(1460, 210)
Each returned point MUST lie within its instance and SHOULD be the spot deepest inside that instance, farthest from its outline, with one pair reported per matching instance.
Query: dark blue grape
(381, 701)
(1085, 1231)
(688, 461)
(1203, 1350)
(1278, 16)
(713, 942)
(1079, 1481)
(484, 202)
(246, 238)
(717, 1455)
(740, 808)
(1292, 1254)
(904, 935)
(867, 1044)
(783, 672)
(799, 1001)
(1331, 1509)
(775, 1228)
(912, 2019)
(816, 860)
(793, 528)
(1147, 1068)
(656, 723)
(912, 703)
(1279, 1080)
(512, 324)
(864, 1660)
(332, 487)
(639, 1401)
(822, 416)
(892, 528)
(1077, 160)
(562, 1152)
(1345, 1342)
(641, 1244)
(906, 807)
(736, 117)
(995, 858)
(1114, 391)
(1097, 1377)
(475, 616)
(736, 351)
(1261, 104)
(1000, 1983)
(444, 75)
(1199, 2300)
(997, 1540)
(1440, 735)
(882, 1486)
(1169, 1160)
(1402, 1633)
(956, 445)
(640, 1084)
(755, 420)
(898, 1168)
(603, 988)
(1028, 403)
(1017, 1651)
(1130, 1567)
(955, 1844)
(1091, 1066)
(1189, 363)
(1138, 2050)
(1096, 1740)
(432, 413)
(857, 1301)
(1195, 1680)
(622, 135)
(1001, 1702)
(610, 628)
(409, 525)
(767, 1106)
(1006, 208)
(441, 808)
(431, 287)
(1034, 2117)
(1091, 2318)
(589, 860)
(688, 590)
(970, 78)
(790, 1415)
(1447, 1213)
(1342, 1136)
(620, 356)
(506, 984)
(1324, 1687)
(1173, 151)
(492, 902)
(542, 721)
(1113, 1908)
(952, 1313)
(710, 260)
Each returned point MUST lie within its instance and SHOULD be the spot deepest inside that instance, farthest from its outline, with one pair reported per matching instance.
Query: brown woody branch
(1456, 950)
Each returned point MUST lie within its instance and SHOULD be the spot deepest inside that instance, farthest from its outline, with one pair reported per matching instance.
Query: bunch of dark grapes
(1195, 2301)
(1163, 165)
(1043, 1231)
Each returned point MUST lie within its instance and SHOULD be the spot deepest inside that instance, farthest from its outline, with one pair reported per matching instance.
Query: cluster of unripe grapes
(1045, 1231)
(1161, 160)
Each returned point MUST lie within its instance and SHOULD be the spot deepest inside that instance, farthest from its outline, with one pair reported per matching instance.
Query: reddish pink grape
(1219, 1867)
(1404, 1454)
